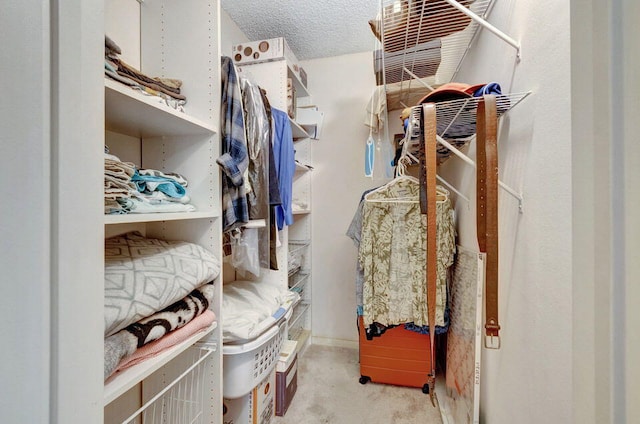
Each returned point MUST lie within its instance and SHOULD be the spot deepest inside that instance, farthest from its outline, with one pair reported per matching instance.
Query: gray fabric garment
(353, 232)
(258, 127)
(258, 130)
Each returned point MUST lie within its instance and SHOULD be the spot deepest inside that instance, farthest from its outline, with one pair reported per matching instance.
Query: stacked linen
(118, 186)
(159, 192)
(166, 89)
(152, 288)
(131, 190)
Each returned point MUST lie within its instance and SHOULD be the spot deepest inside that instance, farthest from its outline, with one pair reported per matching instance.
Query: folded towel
(152, 349)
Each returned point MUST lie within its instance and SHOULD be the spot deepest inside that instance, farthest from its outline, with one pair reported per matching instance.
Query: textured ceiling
(312, 28)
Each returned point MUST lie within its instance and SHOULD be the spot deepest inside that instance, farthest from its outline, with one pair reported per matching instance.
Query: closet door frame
(77, 230)
(605, 172)
(25, 171)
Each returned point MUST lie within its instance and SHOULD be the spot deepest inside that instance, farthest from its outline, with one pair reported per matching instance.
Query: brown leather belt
(429, 132)
(487, 211)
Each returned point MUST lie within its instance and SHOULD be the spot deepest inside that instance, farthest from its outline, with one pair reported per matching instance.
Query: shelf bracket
(452, 188)
(470, 161)
(484, 23)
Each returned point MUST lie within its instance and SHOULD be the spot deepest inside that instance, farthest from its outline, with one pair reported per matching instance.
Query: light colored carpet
(329, 392)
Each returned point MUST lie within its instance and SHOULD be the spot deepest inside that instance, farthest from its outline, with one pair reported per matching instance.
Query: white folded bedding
(250, 308)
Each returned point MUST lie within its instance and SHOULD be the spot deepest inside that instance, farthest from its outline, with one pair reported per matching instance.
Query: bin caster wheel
(364, 379)
(425, 389)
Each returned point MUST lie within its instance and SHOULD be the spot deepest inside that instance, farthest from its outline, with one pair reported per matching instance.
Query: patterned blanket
(144, 275)
(125, 342)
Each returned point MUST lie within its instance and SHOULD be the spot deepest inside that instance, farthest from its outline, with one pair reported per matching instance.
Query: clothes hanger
(400, 178)
(409, 142)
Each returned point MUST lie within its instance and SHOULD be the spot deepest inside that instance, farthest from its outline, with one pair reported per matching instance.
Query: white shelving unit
(272, 77)
(144, 130)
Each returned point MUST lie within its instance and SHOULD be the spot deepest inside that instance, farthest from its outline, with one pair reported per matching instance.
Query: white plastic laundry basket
(246, 365)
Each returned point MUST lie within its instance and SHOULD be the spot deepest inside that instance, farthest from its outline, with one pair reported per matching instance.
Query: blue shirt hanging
(284, 156)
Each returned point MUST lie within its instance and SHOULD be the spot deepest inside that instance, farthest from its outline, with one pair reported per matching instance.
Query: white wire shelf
(299, 312)
(456, 119)
(423, 43)
(298, 280)
(119, 383)
(181, 400)
(455, 127)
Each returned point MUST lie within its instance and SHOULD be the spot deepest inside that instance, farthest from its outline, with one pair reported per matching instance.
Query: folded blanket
(144, 275)
(197, 325)
(250, 308)
(173, 175)
(125, 342)
(150, 183)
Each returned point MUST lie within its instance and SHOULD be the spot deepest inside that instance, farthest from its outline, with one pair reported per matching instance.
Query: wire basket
(297, 252)
(182, 401)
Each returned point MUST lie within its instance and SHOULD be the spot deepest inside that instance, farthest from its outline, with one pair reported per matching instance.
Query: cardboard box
(286, 386)
(257, 407)
(263, 51)
(286, 377)
(268, 50)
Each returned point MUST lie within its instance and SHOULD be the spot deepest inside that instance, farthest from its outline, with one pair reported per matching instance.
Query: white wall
(341, 87)
(529, 379)
(230, 34)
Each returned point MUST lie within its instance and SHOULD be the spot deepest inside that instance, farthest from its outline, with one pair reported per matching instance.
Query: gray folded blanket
(126, 341)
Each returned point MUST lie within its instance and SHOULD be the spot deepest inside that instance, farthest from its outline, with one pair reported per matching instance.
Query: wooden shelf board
(297, 130)
(127, 111)
(302, 168)
(156, 217)
(301, 90)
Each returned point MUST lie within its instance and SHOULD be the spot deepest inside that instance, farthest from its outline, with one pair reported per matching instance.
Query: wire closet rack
(423, 43)
(181, 401)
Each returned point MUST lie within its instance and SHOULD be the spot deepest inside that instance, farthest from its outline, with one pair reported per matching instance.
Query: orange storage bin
(399, 357)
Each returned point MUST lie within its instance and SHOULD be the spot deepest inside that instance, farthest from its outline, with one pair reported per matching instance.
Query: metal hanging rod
(484, 23)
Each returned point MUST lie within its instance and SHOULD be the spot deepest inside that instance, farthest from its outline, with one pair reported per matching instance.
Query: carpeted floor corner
(329, 392)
